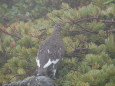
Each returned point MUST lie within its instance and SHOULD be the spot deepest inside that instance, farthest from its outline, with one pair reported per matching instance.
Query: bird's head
(58, 26)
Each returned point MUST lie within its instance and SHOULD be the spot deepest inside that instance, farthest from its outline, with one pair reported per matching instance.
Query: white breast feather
(55, 61)
(50, 62)
(47, 64)
(48, 51)
(38, 62)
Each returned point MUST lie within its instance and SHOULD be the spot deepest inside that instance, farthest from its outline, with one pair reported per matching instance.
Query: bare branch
(109, 31)
(86, 29)
(15, 76)
(107, 21)
(38, 36)
(85, 19)
(7, 33)
(51, 20)
(94, 18)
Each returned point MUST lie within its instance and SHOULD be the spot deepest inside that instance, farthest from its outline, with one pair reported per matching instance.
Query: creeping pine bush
(87, 34)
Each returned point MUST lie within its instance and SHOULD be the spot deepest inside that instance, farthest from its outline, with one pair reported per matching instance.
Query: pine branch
(89, 18)
(107, 21)
(38, 36)
(14, 36)
(42, 29)
(85, 19)
(94, 18)
(81, 49)
(58, 17)
(7, 33)
(85, 29)
(109, 31)
(15, 76)
(51, 20)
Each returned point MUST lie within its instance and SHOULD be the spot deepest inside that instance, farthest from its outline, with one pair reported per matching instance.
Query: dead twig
(85, 29)
(85, 19)
(7, 33)
(94, 18)
(107, 21)
(15, 76)
(109, 31)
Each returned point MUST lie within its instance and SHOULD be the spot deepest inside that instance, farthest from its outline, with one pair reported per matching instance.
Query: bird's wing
(50, 51)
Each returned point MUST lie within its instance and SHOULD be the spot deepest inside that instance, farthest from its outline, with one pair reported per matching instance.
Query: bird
(50, 53)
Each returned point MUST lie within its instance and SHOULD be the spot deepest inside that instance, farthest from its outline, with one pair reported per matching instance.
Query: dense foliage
(88, 34)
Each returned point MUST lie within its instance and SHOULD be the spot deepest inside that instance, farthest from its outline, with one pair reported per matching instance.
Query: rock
(33, 81)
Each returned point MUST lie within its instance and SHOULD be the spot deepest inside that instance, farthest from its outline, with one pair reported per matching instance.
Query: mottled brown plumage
(50, 53)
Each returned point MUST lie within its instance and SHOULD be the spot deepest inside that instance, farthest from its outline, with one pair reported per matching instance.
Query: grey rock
(33, 81)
